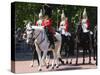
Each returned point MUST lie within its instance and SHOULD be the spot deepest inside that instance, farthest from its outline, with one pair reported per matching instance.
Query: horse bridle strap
(38, 46)
(41, 41)
(38, 35)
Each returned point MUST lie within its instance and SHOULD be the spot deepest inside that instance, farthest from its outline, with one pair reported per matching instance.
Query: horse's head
(32, 32)
(28, 34)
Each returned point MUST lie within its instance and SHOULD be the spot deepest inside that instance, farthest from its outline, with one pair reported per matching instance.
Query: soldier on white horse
(42, 44)
(42, 41)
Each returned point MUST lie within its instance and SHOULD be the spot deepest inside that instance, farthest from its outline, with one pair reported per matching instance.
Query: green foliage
(30, 11)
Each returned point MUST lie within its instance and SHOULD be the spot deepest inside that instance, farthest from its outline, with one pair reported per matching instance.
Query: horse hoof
(39, 69)
(66, 62)
(76, 62)
(70, 62)
(89, 62)
(83, 62)
(47, 66)
(31, 65)
(53, 67)
(94, 58)
(57, 66)
(63, 62)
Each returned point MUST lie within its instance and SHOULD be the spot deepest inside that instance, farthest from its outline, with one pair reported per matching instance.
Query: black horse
(84, 42)
(67, 47)
(95, 44)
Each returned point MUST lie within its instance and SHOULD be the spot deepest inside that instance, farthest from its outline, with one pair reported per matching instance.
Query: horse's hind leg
(84, 51)
(39, 55)
(77, 55)
(89, 56)
(42, 60)
(53, 61)
(44, 56)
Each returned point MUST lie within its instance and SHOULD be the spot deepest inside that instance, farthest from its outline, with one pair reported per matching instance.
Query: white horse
(42, 43)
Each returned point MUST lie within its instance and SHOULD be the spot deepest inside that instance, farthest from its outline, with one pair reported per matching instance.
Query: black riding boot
(52, 41)
(50, 38)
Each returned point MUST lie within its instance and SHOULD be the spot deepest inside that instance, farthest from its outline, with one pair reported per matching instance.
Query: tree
(30, 11)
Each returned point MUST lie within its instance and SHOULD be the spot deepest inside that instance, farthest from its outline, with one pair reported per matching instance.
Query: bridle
(32, 34)
(36, 38)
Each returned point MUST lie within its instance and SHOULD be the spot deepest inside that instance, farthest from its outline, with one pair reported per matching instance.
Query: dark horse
(67, 48)
(95, 44)
(84, 42)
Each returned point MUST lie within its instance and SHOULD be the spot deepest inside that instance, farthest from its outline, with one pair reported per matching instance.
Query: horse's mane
(38, 28)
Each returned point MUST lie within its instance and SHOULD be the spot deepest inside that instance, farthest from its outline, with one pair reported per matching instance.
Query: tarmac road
(25, 66)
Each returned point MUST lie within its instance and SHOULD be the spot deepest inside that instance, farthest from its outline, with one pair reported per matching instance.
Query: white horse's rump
(42, 44)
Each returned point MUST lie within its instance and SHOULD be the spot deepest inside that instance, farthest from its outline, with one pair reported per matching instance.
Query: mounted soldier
(84, 36)
(47, 24)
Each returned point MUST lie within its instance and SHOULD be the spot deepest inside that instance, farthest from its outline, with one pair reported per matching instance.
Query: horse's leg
(66, 54)
(44, 56)
(67, 57)
(32, 56)
(90, 47)
(60, 48)
(39, 56)
(77, 52)
(53, 61)
(48, 60)
(84, 51)
(42, 59)
(89, 56)
(94, 53)
(71, 49)
(58, 53)
(56, 60)
(71, 54)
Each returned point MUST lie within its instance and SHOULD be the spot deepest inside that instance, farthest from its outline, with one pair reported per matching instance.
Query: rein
(37, 35)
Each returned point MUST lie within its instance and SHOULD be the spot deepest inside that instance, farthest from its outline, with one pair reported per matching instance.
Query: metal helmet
(62, 15)
(84, 13)
(40, 14)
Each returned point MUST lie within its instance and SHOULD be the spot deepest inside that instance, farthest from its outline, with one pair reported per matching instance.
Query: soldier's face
(46, 17)
(84, 17)
(40, 17)
(63, 18)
